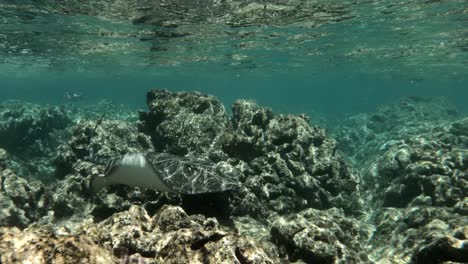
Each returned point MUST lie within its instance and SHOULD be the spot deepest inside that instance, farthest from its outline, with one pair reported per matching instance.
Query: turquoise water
(336, 57)
(375, 172)
(293, 94)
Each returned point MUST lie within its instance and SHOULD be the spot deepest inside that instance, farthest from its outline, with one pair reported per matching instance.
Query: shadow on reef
(300, 200)
(216, 205)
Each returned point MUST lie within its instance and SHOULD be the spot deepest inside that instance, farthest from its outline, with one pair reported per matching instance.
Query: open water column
(233, 131)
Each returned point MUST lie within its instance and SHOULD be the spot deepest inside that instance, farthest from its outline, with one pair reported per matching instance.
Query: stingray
(167, 173)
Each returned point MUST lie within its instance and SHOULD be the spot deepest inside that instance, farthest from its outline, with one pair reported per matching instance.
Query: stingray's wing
(193, 176)
(97, 182)
(111, 164)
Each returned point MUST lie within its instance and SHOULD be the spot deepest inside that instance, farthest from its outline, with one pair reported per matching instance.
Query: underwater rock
(433, 165)
(288, 165)
(417, 189)
(9, 162)
(444, 248)
(39, 246)
(422, 234)
(172, 236)
(319, 236)
(27, 129)
(21, 201)
(184, 123)
(414, 169)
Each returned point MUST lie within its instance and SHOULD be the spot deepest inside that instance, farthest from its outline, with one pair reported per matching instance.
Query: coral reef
(28, 129)
(31, 133)
(94, 142)
(172, 236)
(288, 165)
(186, 123)
(22, 202)
(393, 189)
(418, 188)
(38, 245)
(319, 236)
(414, 170)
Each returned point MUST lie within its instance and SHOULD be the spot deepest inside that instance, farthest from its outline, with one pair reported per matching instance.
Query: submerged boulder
(22, 202)
(38, 245)
(172, 236)
(319, 236)
(184, 123)
(95, 142)
(288, 165)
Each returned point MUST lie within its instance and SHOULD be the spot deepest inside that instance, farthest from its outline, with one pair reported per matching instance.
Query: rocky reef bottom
(382, 187)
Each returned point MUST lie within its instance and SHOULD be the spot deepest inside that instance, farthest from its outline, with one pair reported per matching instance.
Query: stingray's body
(167, 173)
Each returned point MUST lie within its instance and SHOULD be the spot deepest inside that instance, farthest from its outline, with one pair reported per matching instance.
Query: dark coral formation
(420, 183)
(96, 141)
(428, 169)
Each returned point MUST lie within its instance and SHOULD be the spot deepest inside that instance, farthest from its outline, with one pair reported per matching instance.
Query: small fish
(72, 96)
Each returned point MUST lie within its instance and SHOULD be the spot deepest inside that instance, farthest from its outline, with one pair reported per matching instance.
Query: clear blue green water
(298, 94)
(384, 187)
(334, 57)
